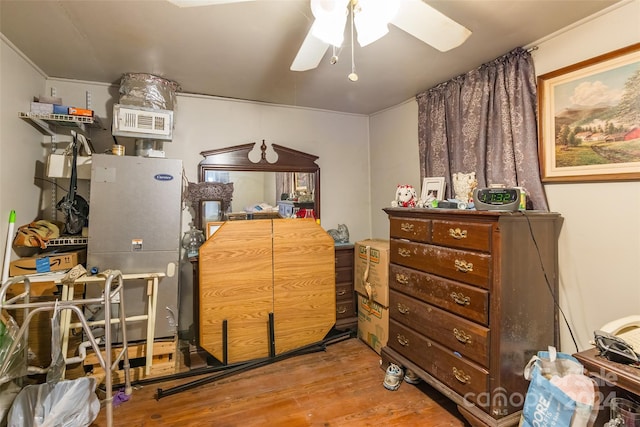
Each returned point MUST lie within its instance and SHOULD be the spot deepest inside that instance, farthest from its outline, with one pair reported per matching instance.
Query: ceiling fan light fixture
(372, 18)
(330, 19)
(370, 31)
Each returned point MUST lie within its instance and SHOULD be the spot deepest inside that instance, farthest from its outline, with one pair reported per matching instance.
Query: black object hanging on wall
(74, 206)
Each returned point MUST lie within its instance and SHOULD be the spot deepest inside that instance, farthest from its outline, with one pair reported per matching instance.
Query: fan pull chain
(353, 76)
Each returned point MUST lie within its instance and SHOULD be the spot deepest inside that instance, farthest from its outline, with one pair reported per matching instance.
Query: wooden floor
(341, 386)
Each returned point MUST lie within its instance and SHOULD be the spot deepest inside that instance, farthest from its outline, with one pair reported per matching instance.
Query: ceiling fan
(371, 19)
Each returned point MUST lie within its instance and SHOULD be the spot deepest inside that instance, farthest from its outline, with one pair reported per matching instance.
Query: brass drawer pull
(341, 292)
(406, 227)
(461, 336)
(460, 298)
(341, 310)
(402, 279)
(403, 252)
(463, 266)
(403, 308)
(458, 234)
(461, 376)
(403, 340)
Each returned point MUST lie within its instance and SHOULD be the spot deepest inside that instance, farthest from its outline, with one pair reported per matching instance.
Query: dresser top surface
(465, 213)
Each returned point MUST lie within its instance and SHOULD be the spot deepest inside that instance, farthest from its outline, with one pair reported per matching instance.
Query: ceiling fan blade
(194, 3)
(429, 25)
(310, 54)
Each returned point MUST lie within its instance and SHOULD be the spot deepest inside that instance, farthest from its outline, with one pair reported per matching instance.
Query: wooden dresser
(346, 306)
(470, 303)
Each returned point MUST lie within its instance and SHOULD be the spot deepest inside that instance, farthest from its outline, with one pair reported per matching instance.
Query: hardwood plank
(341, 386)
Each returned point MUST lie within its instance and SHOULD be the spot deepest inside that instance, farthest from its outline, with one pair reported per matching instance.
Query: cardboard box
(60, 109)
(80, 112)
(59, 166)
(46, 263)
(373, 323)
(49, 99)
(371, 267)
(41, 108)
(40, 324)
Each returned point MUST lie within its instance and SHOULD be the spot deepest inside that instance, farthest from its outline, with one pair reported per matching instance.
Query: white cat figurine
(341, 235)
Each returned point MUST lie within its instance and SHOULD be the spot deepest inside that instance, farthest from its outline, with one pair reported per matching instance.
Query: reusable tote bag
(559, 395)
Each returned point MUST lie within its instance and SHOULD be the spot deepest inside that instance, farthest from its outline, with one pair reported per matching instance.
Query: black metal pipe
(272, 336)
(225, 348)
(311, 348)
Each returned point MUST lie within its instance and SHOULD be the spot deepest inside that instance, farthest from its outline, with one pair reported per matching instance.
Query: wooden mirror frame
(236, 158)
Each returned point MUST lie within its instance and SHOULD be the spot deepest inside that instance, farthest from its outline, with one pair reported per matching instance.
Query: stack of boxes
(371, 276)
(52, 105)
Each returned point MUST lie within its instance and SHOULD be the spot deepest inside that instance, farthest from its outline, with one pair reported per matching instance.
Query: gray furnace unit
(135, 227)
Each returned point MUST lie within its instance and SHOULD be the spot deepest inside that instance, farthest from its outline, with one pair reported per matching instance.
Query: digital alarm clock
(496, 199)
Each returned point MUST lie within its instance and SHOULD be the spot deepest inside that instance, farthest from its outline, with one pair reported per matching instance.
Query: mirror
(289, 184)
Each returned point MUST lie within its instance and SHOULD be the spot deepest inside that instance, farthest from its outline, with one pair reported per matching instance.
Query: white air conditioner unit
(140, 122)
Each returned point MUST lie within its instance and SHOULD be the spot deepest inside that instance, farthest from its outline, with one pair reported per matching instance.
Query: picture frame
(301, 181)
(212, 227)
(432, 189)
(589, 119)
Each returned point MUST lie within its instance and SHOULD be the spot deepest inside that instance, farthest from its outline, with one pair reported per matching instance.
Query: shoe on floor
(393, 377)
(411, 377)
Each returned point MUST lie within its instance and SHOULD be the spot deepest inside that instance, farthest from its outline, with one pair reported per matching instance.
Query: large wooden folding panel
(249, 269)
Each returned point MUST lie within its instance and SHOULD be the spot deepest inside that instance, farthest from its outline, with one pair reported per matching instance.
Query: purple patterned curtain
(484, 121)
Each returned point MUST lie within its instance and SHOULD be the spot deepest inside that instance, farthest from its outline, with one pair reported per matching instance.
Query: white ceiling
(244, 50)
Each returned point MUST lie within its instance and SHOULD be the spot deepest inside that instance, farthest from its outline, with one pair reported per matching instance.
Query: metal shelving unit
(67, 241)
(49, 124)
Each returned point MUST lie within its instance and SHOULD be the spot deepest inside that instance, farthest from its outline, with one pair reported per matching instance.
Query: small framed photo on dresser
(432, 189)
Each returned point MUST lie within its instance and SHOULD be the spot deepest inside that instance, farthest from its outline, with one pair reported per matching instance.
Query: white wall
(394, 159)
(20, 144)
(600, 240)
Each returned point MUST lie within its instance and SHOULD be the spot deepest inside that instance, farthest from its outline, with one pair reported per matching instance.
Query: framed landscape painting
(589, 119)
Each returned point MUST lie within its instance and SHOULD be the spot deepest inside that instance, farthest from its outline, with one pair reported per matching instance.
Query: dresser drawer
(344, 257)
(468, 267)
(468, 301)
(468, 338)
(344, 290)
(344, 275)
(345, 308)
(464, 235)
(461, 375)
(411, 229)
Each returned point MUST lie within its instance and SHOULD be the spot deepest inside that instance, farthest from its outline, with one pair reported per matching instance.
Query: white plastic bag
(72, 403)
(56, 403)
